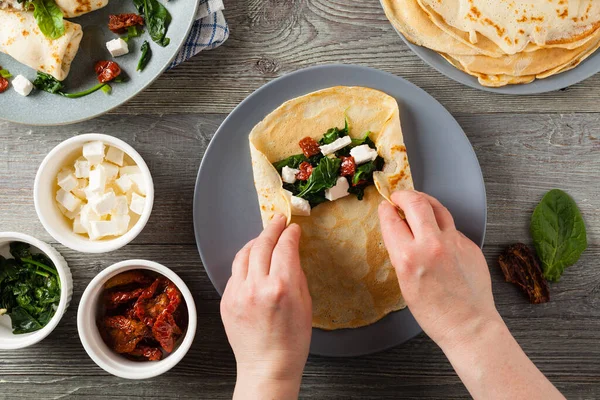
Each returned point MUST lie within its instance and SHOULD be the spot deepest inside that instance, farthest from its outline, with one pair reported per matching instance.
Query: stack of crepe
(21, 38)
(502, 42)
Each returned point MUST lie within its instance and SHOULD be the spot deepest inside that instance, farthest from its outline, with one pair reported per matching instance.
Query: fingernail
(278, 216)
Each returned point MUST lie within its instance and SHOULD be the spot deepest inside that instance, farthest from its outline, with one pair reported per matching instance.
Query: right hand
(443, 275)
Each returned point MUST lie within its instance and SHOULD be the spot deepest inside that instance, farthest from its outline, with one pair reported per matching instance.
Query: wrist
(257, 386)
(472, 331)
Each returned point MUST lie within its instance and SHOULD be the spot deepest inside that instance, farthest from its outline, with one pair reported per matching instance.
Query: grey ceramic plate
(443, 163)
(41, 108)
(586, 69)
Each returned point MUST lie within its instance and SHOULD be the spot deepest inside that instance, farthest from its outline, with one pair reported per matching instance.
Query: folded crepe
(350, 276)
(502, 42)
(75, 8)
(21, 39)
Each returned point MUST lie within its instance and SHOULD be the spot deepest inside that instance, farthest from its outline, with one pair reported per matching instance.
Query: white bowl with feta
(93, 193)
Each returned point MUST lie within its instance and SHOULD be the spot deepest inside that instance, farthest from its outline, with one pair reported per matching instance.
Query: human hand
(267, 314)
(443, 275)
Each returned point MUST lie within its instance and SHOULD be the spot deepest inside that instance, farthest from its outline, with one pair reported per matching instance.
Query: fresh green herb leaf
(324, 176)
(157, 19)
(20, 250)
(29, 288)
(5, 74)
(47, 83)
(145, 57)
(50, 84)
(365, 171)
(358, 191)
(49, 18)
(290, 162)
(558, 233)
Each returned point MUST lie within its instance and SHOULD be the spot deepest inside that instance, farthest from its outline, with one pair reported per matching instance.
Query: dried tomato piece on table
(107, 71)
(309, 146)
(305, 171)
(120, 22)
(521, 267)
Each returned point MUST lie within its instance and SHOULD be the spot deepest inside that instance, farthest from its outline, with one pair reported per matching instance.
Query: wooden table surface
(526, 145)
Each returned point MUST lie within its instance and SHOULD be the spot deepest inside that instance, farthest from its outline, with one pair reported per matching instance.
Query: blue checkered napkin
(208, 32)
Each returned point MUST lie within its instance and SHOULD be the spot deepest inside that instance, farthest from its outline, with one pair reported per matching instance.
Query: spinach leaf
(29, 288)
(49, 18)
(133, 32)
(358, 191)
(145, 57)
(312, 198)
(291, 162)
(324, 176)
(20, 250)
(5, 74)
(23, 322)
(157, 19)
(365, 171)
(52, 85)
(558, 233)
(355, 143)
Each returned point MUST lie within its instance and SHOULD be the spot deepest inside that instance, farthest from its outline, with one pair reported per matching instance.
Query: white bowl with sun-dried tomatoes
(137, 319)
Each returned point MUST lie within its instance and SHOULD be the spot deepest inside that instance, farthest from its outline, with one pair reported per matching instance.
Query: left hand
(267, 314)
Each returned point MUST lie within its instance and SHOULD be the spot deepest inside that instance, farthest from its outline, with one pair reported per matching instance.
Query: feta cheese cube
(122, 223)
(94, 152)
(300, 206)
(129, 170)
(79, 191)
(22, 85)
(121, 207)
(77, 227)
(289, 174)
(363, 154)
(67, 181)
(124, 183)
(339, 190)
(97, 180)
(103, 204)
(336, 145)
(111, 171)
(67, 213)
(67, 200)
(117, 47)
(86, 216)
(140, 183)
(137, 203)
(100, 229)
(82, 169)
(115, 156)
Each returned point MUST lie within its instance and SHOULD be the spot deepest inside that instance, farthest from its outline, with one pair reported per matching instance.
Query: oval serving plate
(443, 163)
(586, 69)
(41, 108)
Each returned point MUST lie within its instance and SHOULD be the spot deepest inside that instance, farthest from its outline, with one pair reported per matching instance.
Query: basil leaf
(49, 18)
(324, 176)
(145, 57)
(291, 162)
(558, 233)
(157, 19)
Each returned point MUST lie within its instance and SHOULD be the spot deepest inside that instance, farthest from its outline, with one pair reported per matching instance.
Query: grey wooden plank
(561, 337)
(271, 38)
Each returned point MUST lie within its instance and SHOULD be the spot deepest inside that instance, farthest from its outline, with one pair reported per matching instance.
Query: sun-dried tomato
(309, 146)
(114, 299)
(3, 84)
(140, 305)
(151, 353)
(348, 166)
(123, 333)
(126, 278)
(174, 296)
(107, 71)
(521, 267)
(165, 330)
(120, 22)
(305, 171)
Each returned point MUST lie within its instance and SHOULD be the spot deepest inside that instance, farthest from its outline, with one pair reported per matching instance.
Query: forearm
(492, 365)
(256, 388)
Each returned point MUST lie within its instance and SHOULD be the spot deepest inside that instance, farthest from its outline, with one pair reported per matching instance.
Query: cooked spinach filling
(29, 289)
(325, 170)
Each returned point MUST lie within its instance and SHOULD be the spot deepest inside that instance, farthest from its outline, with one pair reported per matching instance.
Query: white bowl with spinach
(35, 290)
